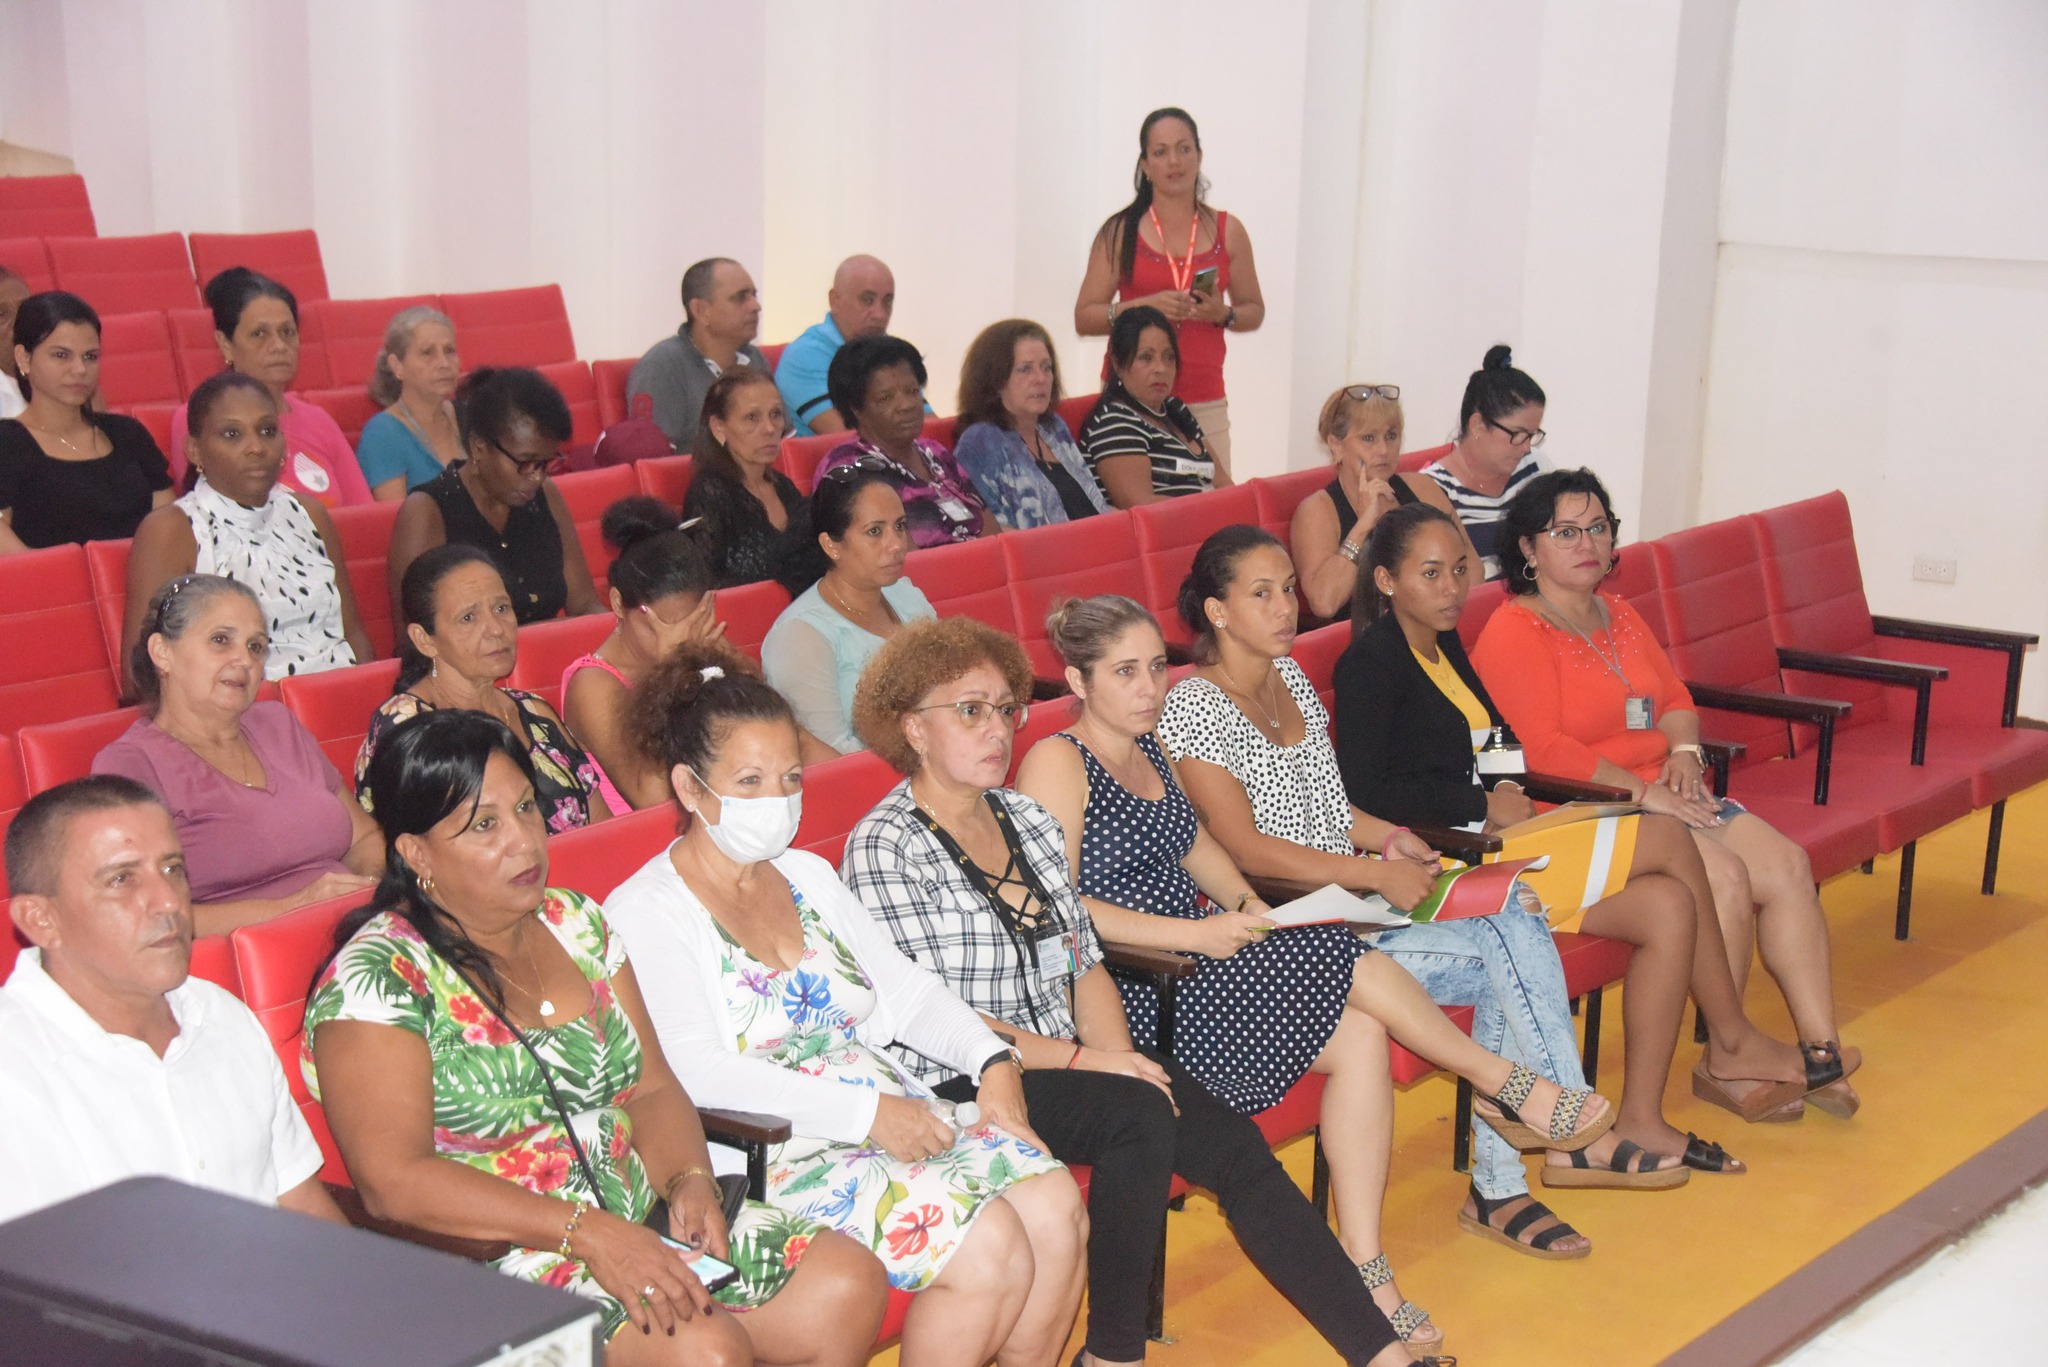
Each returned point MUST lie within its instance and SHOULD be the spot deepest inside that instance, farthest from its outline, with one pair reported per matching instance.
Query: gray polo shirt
(676, 376)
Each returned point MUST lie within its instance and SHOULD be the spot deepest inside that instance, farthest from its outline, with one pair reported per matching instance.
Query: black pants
(1127, 1132)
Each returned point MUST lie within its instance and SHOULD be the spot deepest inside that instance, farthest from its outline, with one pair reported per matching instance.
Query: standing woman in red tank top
(1160, 250)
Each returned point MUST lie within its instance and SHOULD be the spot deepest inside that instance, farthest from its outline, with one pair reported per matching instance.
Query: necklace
(57, 436)
(1272, 714)
(547, 1007)
(847, 609)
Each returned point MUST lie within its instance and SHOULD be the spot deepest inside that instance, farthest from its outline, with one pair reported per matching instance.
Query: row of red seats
(45, 206)
(159, 270)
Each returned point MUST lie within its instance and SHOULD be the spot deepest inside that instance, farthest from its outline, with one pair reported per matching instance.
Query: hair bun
(634, 519)
(1499, 356)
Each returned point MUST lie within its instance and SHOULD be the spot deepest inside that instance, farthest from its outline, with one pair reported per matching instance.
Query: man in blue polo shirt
(862, 298)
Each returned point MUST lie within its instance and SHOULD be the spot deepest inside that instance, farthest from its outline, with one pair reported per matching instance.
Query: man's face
(733, 312)
(121, 916)
(862, 300)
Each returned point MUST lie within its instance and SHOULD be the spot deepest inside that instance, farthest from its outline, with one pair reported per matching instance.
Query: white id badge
(1640, 712)
(1056, 956)
(1183, 465)
(955, 509)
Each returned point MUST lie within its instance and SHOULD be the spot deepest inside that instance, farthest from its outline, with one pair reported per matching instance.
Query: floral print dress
(491, 1105)
(914, 1216)
(564, 774)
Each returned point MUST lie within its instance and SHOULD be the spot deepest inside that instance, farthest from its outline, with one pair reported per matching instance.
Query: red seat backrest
(593, 860)
(1719, 630)
(609, 379)
(1074, 410)
(198, 354)
(580, 392)
(59, 751)
(1279, 495)
(1171, 531)
(1480, 605)
(1066, 560)
(347, 335)
(546, 648)
(136, 360)
(967, 579)
(801, 457)
(771, 352)
(1635, 579)
(29, 259)
(125, 274)
(45, 206)
(664, 477)
(1813, 586)
(365, 532)
(156, 417)
(588, 493)
(292, 259)
(107, 563)
(748, 611)
(940, 430)
(1054, 714)
(1415, 460)
(1317, 653)
(350, 406)
(511, 327)
(54, 662)
(335, 706)
(837, 794)
(13, 793)
(213, 958)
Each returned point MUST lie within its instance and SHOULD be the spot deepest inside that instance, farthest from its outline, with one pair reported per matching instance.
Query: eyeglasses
(547, 465)
(1362, 392)
(1566, 534)
(1520, 436)
(973, 711)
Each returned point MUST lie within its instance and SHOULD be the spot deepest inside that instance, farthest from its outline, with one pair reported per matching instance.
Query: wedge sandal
(1410, 1320)
(1756, 1106)
(1828, 1066)
(1565, 1133)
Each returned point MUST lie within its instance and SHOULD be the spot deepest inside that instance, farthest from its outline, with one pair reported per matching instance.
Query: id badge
(1640, 712)
(955, 510)
(1057, 957)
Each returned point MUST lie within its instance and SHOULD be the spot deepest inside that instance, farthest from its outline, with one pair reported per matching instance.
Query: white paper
(1331, 903)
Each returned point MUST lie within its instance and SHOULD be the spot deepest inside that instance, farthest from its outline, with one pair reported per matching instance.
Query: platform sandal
(1621, 1172)
(1828, 1066)
(1410, 1320)
(1564, 1134)
(1763, 1103)
(1538, 1246)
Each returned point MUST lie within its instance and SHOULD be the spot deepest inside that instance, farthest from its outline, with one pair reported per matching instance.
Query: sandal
(1564, 1134)
(1622, 1171)
(1828, 1066)
(1760, 1104)
(1705, 1156)
(1537, 1245)
(1408, 1319)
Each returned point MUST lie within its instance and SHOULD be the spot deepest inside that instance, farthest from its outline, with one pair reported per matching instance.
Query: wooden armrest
(1721, 757)
(1948, 634)
(743, 1128)
(1862, 667)
(1784, 706)
(1151, 962)
(1470, 846)
(350, 1201)
(1552, 788)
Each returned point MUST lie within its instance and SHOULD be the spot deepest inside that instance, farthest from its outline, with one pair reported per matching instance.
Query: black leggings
(1125, 1129)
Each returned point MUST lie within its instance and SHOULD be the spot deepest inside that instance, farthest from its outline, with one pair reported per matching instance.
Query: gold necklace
(547, 1007)
(847, 609)
(1272, 714)
(55, 435)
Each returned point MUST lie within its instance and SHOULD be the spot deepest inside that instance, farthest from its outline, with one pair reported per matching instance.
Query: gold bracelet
(569, 1230)
(1249, 895)
(668, 1192)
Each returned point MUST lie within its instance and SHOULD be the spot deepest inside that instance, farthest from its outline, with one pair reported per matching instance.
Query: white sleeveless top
(276, 551)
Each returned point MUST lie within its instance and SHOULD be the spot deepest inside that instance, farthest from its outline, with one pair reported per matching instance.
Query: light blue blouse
(813, 656)
(388, 449)
(1009, 480)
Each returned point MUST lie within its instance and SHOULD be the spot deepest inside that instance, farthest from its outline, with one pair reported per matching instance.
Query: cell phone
(1205, 280)
(715, 1273)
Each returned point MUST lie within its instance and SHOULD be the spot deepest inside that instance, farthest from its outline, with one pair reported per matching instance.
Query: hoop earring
(1529, 570)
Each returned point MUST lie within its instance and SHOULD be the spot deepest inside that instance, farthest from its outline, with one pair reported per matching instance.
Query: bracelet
(1398, 830)
(1230, 318)
(1348, 551)
(1076, 1056)
(668, 1192)
(1247, 896)
(1112, 313)
(569, 1230)
(1698, 753)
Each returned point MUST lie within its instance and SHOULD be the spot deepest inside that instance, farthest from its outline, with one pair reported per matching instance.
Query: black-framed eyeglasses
(546, 465)
(1520, 436)
(1361, 392)
(973, 711)
(1568, 534)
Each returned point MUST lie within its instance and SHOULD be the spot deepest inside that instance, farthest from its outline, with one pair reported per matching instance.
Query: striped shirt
(1116, 428)
(1482, 513)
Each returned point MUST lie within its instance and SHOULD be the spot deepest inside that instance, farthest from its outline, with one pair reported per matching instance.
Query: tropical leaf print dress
(491, 1106)
(912, 1215)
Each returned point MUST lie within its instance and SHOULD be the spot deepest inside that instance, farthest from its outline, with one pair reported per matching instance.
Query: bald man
(114, 1061)
(862, 298)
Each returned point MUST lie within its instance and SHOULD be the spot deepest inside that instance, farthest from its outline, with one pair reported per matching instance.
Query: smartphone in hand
(715, 1273)
(1205, 281)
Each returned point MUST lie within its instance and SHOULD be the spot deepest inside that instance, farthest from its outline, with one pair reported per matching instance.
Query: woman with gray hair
(266, 824)
(414, 377)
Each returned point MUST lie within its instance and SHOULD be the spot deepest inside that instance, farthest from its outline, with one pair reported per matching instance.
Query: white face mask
(752, 829)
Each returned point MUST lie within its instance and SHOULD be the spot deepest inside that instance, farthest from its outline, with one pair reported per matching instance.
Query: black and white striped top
(1481, 513)
(1116, 428)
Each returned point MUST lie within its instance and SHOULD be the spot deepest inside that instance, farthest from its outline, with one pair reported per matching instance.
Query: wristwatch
(1003, 1055)
(1698, 753)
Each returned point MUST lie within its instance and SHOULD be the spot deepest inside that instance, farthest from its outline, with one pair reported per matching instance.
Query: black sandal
(1705, 1156)
(1624, 1170)
(1537, 1246)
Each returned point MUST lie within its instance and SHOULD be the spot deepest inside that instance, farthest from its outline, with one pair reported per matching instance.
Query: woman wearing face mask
(1144, 444)
(746, 510)
(241, 521)
(772, 988)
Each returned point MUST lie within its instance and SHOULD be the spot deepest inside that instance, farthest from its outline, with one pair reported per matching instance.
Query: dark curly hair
(855, 365)
(1533, 508)
(678, 716)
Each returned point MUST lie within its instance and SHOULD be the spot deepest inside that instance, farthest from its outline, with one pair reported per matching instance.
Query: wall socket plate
(1930, 569)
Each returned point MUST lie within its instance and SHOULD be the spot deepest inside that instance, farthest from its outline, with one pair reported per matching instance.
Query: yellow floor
(1952, 1025)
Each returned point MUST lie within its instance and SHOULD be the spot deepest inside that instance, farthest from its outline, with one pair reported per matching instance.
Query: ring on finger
(647, 1292)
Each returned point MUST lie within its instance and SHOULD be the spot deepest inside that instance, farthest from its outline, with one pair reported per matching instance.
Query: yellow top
(1453, 687)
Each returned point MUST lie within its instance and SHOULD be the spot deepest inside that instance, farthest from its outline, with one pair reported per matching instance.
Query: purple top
(268, 841)
(940, 513)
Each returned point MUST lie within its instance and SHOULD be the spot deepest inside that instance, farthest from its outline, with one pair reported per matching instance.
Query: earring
(1529, 572)
(434, 669)
(427, 882)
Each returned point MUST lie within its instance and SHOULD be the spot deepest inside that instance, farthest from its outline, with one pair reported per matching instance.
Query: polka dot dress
(276, 550)
(1250, 1025)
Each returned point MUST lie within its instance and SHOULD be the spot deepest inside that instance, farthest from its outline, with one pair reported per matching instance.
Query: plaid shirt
(927, 902)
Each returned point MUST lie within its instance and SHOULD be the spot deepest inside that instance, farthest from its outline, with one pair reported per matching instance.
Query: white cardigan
(674, 947)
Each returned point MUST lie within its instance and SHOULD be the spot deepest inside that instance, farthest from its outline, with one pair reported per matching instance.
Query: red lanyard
(1182, 272)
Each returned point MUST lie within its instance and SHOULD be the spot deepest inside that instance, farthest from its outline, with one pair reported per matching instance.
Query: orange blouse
(1566, 706)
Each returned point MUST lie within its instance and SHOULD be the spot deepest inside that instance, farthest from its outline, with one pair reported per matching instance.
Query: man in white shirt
(114, 1062)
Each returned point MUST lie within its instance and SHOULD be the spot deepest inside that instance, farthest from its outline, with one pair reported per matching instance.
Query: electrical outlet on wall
(1930, 569)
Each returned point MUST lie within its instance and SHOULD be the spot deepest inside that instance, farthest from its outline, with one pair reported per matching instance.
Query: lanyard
(1183, 271)
(1024, 937)
(1613, 662)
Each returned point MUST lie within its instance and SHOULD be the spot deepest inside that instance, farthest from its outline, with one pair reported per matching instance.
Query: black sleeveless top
(528, 553)
(1347, 516)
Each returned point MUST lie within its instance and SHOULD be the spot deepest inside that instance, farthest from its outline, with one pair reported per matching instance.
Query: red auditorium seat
(837, 794)
(335, 705)
(157, 418)
(511, 327)
(588, 493)
(609, 379)
(29, 259)
(45, 206)
(54, 662)
(57, 752)
(771, 352)
(1074, 410)
(1052, 715)
(1317, 652)
(292, 259)
(350, 406)
(546, 648)
(196, 347)
(136, 361)
(966, 579)
(593, 860)
(940, 430)
(1279, 495)
(578, 390)
(801, 457)
(13, 793)
(664, 477)
(125, 274)
(106, 563)
(748, 611)
(1813, 584)
(365, 532)
(1066, 560)
(1169, 533)
(213, 958)
(1415, 460)
(345, 336)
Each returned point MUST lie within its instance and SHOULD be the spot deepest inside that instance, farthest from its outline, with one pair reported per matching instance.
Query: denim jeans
(1506, 967)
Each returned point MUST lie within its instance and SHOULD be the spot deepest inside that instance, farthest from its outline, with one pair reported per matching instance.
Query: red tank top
(1201, 344)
